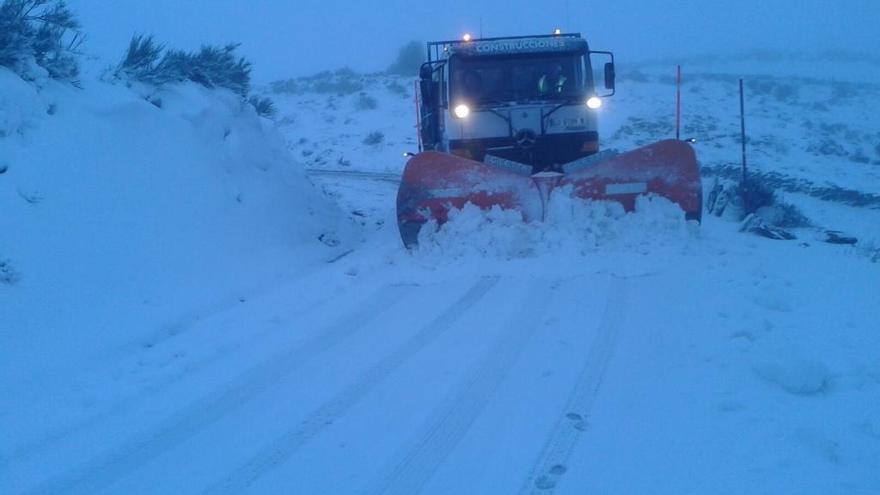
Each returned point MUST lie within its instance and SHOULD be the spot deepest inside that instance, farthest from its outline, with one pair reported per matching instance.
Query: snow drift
(572, 228)
(123, 213)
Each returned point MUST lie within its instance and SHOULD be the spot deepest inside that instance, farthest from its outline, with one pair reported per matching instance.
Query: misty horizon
(286, 40)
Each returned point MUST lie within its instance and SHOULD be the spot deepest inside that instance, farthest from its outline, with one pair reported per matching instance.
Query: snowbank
(121, 215)
(572, 227)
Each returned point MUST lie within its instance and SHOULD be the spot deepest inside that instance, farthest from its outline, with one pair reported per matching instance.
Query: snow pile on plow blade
(434, 183)
(572, 229)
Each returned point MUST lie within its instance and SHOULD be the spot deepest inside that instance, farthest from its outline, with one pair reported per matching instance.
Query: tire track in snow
(282, 448)
(56, 435)
(182, 323)
(451, 420)
(551, 463)
(103, 470)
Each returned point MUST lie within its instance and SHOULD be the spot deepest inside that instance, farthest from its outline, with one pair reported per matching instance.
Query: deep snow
(126, 222)
(599, 352)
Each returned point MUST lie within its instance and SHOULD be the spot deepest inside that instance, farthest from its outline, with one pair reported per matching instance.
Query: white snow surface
(123, 221)
(596, 352)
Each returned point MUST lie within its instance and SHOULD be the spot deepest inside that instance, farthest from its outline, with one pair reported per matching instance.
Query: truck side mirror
(609, 76)
(609, 71)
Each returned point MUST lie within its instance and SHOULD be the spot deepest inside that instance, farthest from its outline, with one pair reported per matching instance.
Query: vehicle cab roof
(557, 43)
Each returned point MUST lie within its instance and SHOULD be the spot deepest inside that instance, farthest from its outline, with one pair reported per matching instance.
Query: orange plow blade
(434, 183)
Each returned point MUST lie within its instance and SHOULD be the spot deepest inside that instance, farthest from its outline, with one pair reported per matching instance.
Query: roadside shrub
(211, 66)
(8, 274)
(345, 85)
(340, 82)
(150, 62)
(755, 195)
(780, 90)
(634, 75)
(410, 57)
(790, 216)
(827, 146)
(265, 107)
(288, 86)
(374, 138)
(396, 88)
(366, 102)
(39, 31)
(842, 90)
(859, 156)
(643, 131)
(142, 61)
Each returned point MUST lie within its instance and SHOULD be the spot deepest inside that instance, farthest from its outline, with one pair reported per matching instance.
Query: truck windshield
(518, 78)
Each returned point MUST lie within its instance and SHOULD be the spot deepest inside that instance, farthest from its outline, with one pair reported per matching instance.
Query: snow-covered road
(442, 357)
(710, 364)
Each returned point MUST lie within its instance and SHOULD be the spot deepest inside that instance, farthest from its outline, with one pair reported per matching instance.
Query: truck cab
(526, 101)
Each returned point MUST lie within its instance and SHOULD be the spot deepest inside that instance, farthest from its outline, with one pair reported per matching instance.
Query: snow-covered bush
(642, 131)
(265, 107)
(151, 63)
(212, 66)
(634, 75)
(288, 86)
(143, 61)
(396, 88)
(340, 82)
(366, 102)
(8, 274)
(737, 202)
(782, 91)
(39, 31)
(755, 195)
(410, 58)
(788, 215)
(374, 138)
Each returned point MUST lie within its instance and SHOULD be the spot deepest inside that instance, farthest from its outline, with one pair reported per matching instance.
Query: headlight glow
(462, 111)
(466, 37)
(594, 102)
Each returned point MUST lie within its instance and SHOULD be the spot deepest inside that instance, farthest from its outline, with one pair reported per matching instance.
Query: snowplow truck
(511, 122)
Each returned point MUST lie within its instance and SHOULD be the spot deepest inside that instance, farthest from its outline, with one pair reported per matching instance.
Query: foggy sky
(299, 37)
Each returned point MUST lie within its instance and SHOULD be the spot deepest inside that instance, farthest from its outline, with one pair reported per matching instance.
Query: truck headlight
(462, 111)
(594, 102)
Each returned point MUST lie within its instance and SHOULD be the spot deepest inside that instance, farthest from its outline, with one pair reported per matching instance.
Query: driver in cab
(552, 83)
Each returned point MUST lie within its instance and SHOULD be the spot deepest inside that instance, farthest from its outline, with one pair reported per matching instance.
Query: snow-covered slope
(122, 221)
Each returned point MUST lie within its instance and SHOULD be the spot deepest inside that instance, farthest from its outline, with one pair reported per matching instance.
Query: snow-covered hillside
(124, 220)
(218, 329)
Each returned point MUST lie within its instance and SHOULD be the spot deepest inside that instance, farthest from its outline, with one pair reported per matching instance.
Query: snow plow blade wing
(665, 168)
(434, 183)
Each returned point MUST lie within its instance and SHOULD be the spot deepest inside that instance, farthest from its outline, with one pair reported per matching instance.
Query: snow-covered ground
(596, 353)
(124, 223)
